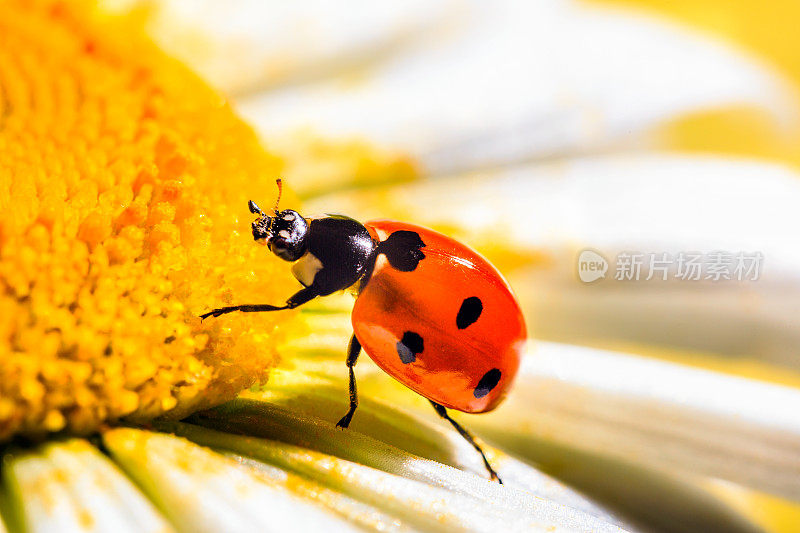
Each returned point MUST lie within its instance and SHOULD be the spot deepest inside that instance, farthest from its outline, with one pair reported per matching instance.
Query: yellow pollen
(124, 183)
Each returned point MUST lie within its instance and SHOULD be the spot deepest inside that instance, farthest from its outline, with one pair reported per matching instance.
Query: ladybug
(429, 311)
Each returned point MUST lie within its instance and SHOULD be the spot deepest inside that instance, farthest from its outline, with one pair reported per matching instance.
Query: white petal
(358, 512)
(44, 502)
(517, 80)
(657, 414)
(244, 45)
(424, 506)
(104, 493)
(630, 488)
(203, 491)
(72, 487)
(394, 426)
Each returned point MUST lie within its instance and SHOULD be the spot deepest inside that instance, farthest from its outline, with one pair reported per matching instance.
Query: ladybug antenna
(279, 183)
(254, 208)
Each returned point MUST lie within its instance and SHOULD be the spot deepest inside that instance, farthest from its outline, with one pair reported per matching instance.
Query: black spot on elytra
(470, 311)
(488, 382)
(409, 346)
(402, 249)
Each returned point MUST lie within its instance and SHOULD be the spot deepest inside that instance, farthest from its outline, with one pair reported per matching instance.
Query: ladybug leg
(299, 298)
(352, 355)
(441, 411)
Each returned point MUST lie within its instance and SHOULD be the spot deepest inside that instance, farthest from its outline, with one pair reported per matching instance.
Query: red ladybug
(430, 311)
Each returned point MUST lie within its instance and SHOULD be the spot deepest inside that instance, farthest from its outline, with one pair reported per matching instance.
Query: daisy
(530, 131)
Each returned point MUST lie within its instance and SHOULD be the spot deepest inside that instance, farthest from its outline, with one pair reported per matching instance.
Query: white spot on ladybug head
(288, 217)
(306, 268)
(284, 234)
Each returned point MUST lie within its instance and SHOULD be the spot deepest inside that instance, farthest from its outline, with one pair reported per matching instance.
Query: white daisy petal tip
(526, 80)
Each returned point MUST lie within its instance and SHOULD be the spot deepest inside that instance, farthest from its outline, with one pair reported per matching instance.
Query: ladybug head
(284, 233)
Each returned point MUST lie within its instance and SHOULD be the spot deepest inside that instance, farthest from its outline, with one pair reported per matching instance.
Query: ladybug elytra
(429, 311)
